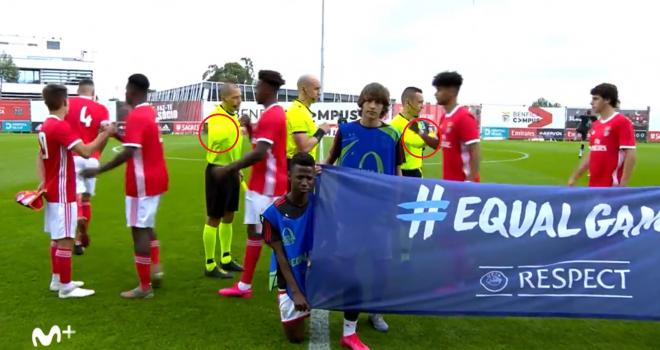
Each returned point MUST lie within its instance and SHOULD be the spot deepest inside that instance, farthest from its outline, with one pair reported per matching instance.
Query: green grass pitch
(188, 314)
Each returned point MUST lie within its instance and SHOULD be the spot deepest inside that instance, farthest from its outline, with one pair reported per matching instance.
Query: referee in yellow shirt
(302, 133)
(412, 102)
(222, 196)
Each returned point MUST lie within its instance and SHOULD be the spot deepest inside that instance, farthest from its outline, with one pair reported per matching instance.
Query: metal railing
(210, 91)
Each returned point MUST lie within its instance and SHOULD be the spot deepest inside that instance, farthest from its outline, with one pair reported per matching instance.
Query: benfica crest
(449, 127)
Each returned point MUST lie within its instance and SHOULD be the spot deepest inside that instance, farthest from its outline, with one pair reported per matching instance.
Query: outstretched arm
(335, 150)
(577, 174)
(251, 158)
(118, 160)
(86, 150)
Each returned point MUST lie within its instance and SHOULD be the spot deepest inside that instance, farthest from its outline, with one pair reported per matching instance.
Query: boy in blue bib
(287, 229)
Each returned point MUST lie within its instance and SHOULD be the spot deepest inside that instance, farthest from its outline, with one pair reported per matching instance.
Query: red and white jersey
(607, 140)
(269, 176)
(86, 117)
(146, 172)
(458, 129)
(56, 139)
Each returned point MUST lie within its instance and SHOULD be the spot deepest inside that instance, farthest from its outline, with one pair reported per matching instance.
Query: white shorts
(141, 211)
(61, 220)
(255, 205)
(85, 185)
(288, 312)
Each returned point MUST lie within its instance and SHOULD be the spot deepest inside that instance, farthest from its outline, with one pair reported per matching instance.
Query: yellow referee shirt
(222, 135)
(414, 143)
(299, 120)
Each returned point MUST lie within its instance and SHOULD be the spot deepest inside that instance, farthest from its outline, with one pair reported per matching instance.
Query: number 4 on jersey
(84, 118)
(43, 144)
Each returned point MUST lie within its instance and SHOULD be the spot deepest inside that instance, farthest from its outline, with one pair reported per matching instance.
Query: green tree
(249, 67)
(231, 72)
(542, 102)
(8, 70)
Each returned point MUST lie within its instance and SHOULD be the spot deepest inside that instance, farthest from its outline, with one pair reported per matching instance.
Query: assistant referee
(412, 102)
(303, 135)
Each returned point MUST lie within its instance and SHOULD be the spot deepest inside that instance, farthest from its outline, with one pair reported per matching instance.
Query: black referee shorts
(221, 196)
(412, 173)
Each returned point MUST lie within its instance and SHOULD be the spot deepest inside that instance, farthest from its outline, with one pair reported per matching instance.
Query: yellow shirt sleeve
(298, 120)
(295, 121)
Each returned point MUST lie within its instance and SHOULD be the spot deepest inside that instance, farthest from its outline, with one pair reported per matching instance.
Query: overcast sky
(508, 51)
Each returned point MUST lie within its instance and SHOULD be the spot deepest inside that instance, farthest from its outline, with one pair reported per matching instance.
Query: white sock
(349, 327)
(55, 278)
(244, 286)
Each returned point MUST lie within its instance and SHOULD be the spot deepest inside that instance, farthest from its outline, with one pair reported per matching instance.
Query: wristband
(319, 134)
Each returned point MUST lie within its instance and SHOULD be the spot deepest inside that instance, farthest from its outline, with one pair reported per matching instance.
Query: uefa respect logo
(494, 281)
(604, 279)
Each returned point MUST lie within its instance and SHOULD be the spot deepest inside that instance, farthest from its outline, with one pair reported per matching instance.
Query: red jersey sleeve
(468, 131)
(626, 134)
(267, 128)
(65, 135)
(104, 115)
(133, 136)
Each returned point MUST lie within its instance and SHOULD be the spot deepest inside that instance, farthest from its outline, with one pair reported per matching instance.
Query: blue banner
(16, 126)
(416, 246)
(487, 132)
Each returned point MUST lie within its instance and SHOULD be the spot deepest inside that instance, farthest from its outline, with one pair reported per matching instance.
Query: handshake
(415, 127)
(110, 129)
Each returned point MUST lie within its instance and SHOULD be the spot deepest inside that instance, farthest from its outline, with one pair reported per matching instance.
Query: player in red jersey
(85, 116)
(146, 181)
(459, 132)
(57, 140)
(269, 178)
(612, 154)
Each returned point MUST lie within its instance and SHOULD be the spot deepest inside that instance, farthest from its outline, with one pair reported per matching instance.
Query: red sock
(143, 266)
(64, 264)
(53, 257)
(252, 252)
(79, 205)
(87, 211)
(155, 252)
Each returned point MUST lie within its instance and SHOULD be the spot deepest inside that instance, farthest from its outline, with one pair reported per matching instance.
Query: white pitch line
(523, 156)
(319, 331)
